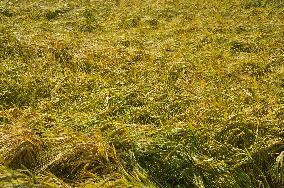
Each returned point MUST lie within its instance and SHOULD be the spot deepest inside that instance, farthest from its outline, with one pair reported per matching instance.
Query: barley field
(142, 93)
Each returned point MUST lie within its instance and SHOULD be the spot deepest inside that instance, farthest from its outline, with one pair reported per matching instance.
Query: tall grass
(154, 93)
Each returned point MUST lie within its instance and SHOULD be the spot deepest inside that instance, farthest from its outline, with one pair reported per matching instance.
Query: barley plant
(142, 93)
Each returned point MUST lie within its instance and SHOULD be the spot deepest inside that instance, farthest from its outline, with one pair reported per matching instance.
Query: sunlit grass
(141, 93)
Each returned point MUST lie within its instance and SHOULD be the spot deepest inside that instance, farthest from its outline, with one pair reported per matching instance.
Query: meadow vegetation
(142, 93)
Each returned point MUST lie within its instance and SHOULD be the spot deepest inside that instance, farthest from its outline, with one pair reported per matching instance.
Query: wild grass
(150, 93)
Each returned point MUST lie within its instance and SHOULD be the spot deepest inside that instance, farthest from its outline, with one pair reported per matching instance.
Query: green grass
(150, 93)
